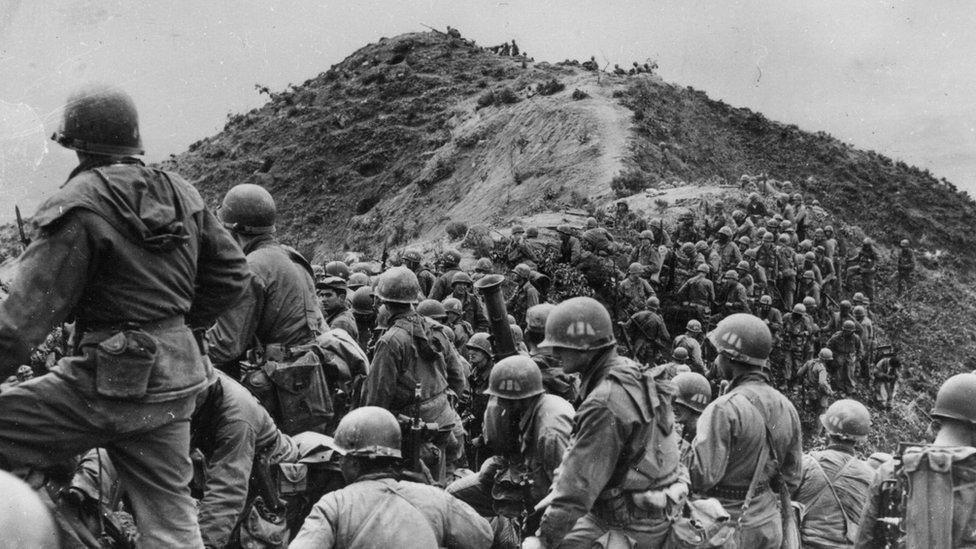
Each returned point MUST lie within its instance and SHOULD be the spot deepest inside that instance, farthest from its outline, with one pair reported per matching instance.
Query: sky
(895, 77)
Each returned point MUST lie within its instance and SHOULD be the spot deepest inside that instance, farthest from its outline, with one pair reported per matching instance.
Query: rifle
(24, 240)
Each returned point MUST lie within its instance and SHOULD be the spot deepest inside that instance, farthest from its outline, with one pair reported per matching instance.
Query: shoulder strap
(768, 450)
(833, 491)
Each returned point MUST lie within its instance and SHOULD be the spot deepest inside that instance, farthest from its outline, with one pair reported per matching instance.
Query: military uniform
(730, 256)
(554, 379)
(698, 293)
(379, 512)
(649, 334)
(885, 376)
(634, 292)
(905, 268)
(815, 380)
(848, 351)
(833, 490)
(694, 351)
(648, 254)
(343, 319)
(473, 312)
(732, 298)
(622, 416)
(798, 332)
(731, 435)
(426, 279)
(442, 286)
(570, 250)
(119, 247)
(279, 307)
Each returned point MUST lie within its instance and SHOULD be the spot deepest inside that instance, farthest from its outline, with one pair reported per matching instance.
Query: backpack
(292, 388)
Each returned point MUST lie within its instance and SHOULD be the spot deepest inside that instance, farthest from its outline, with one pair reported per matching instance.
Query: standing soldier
(865, 262)
(518, 250)
(691, 340)
(815, 381)
(867, 341)
(463, 329)
(533, 243)
(771, 316)
(414, 261)
(410, 353)
(481, 357)
(554, 379)
(482, 268)
(885, 376)
(648, 333)
(834, 486)
(798, 332)
(624, 443)
(526, 295)
(847, 349)
(686, 231)
(364, 311)
(826, 267)
(924, 498)
(570, 248)
(332, 296)
(678, 364)
(744, 227)
(748, 450)
(809, 288)
(757, 271)
(472, 309)
(731, 296)
(728, 251)
(692, 395)
(134, 256)
(634, 291)
(648, 254)
(786, 273)
(280, 306)
(906, 265)
(442, 286)
(698, 294)
(376, 509)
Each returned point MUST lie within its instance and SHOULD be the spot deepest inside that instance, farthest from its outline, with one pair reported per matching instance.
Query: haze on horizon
(892, 77)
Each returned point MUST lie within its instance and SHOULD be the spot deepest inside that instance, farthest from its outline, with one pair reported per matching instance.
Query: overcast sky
(897, 77)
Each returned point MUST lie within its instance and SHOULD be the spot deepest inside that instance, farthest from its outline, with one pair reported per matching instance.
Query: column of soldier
(331, 407)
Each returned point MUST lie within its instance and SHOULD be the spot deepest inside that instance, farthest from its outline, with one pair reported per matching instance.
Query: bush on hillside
(579, 94)
(551, 87)
(456, 230)
(628, 183)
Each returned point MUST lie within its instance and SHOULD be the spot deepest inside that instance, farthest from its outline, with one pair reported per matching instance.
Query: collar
(98, 161)
(749, 376)
(841, 447)
(259, 241)
(597, 371)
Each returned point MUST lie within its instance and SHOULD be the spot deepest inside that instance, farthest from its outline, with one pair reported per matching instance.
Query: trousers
(50, 419)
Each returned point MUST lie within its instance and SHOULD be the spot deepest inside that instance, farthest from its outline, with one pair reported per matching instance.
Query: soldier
(413, 352)
(748, 446)
(867, 340)
(756, 271)
(377, 510)
(798, 334)
(691, 340)
(712, 259)
(814, 379)
(698, 294)
(731, 296)
(634, 291)
(885, 376)
(683, 264)
(800, 216)
(692, 395)
(766, 257)
(135, 257)
(518, 250)
(482, 267)
(526, 295)
(745, 244)
(648, 255)
(364, 311)
(923, 497)
(517, 477)
(744, 227)
(332, 295)
(481, 357)
(677, 365)
(623, 454)
(864, 267)
(729, 254)
(809, 289)
(844, 312)
(280, 306)
(554, 379)
(808, 261)
(756, 208)
(336, 268)
(472, 309)
(771, 316)
(414, 261)
(786, 273)
(648, 333)
(905, 265)
(532, 242)
(442, 286)
(356, 281)
(435, 311)
(686, 230)
(826, 267)
(834, 485)
(847, 349)
(570, 248)
(455, 321)
(748, 283)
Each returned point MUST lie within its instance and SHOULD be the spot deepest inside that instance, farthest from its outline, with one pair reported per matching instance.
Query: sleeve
(792, 467)
(824, 381)
(57, 265)
(234, 331)
(381, 380)
(319, 529)
(222, 273)
(464, 528)
(226, 489)
(586, 468)
(552, 445)
(710, 448)
(457, 372)
(531, 297)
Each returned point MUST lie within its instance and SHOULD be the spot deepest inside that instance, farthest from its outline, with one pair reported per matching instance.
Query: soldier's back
(290, 312)
(833, 491)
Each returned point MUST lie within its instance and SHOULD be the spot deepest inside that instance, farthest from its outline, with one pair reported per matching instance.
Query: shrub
(486, 99)
(579, 94)
(629, 182)
(507, 96)
(456, 230)
(551, 87)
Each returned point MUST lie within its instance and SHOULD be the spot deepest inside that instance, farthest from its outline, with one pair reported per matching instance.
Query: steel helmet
(745, 240)
(868, 241)
(743, 338)
(362, 300)
(635, 269)
(484, 264)
(765, 299)
(799, 308)
(774, 222)
(785, 225)
(370, 432)
(451, 257)
(848, 326)
(652, 303)
(515, 377)
(453, 305)
(532, 232)
(957, 399)
(858, 297)
(738, 215)
(809, 302)
(679, 353)
(693, 326)
(357, 280)
(845, 305)
(590, 222)
(828, 229)
(725, 230)
(565, 229)
(703, 268)
(751, 253)
(521, 270)
(798, 197)
(248, 209)
(692, 390)
(784, 239)
(647, 235)
(331, 282)
(412, 255)
(847, 419)
(25, 519)
(818, 233)
(810, 256)
(742, 266)
(767, 237)
(904, 243)
(826, 354)
(518, 229)
(701, 245)
(482, 342)
(536, 315)
(688, 248)
(859, 311)
(432, 308)
(730, 275)
(100, 119)
(337, 268)
(461, 277)
(808, 275)
(398, 285)
(580, 323)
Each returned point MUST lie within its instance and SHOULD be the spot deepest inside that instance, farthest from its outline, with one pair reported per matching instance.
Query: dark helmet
(536, 315)
(652, 303)
(809, 302)
(100, 120)
(847, 419)
(826, 354)
(957, 399)
(432, 308)
(362, 300)
(680, 354)
(848, 326)
(579, 323)
(357, 281)
(743, 266)
(369, 432)
(692, 390)
(532, 232)
(451, 258)
(337, 268)
(515, 377)
(646, 235)
(521, 270)
(331, 282)
(742, 338)
(248, 209)
(730, 275)
(484, 265)
(398, 285)
(453, 305)
(482, 342)
(693, 326)
(461, 277)
(412, 256)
